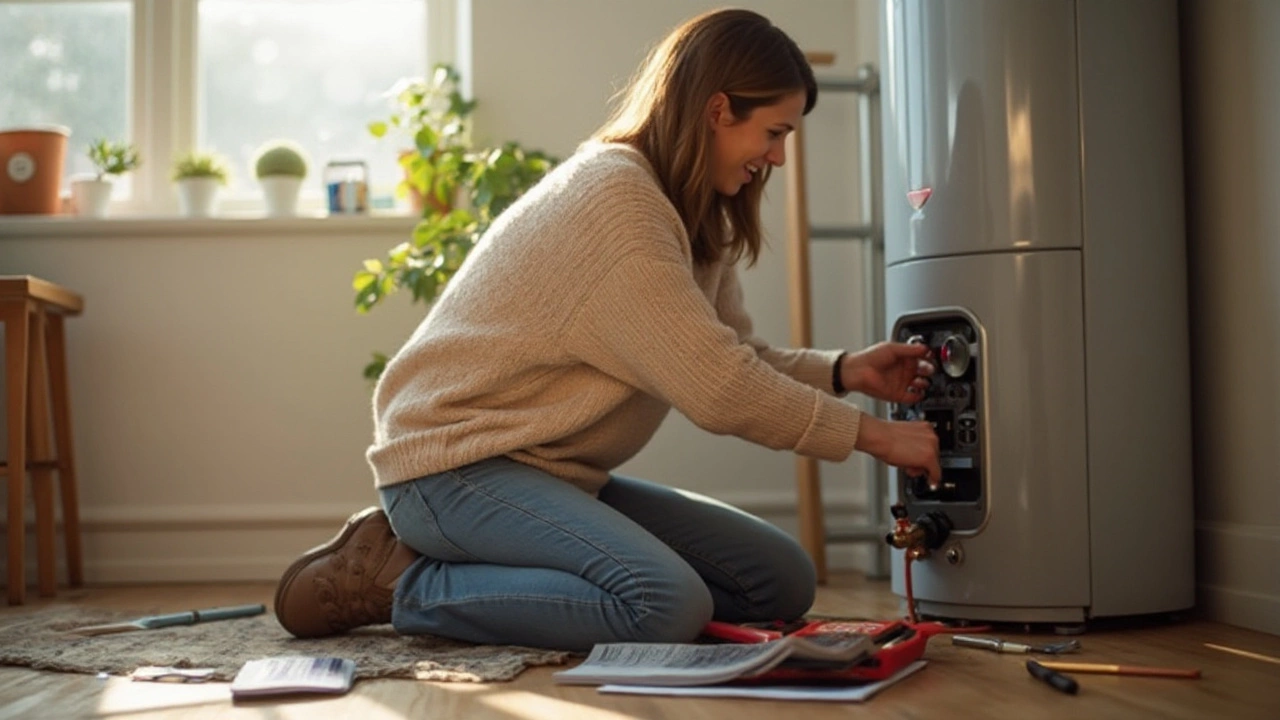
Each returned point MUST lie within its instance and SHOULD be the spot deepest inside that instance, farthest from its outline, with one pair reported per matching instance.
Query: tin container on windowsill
(347, 187)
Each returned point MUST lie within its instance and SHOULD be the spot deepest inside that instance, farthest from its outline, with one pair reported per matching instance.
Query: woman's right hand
(911, 446)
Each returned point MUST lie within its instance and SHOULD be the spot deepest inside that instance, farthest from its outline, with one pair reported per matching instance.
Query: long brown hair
(663, 114)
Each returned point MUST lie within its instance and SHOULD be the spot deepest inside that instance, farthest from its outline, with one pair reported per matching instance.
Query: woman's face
(743, 147)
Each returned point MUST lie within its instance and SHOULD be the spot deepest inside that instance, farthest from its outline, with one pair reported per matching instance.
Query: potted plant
(465, 188)
(280, 166)
(90, 194)
(431, 115)
(199, 174)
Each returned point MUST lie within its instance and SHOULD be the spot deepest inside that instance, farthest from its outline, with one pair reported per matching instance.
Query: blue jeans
(513, 555)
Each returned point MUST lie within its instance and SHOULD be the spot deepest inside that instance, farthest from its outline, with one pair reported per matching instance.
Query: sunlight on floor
(122, 695)
(1244, 653)
(524, 704)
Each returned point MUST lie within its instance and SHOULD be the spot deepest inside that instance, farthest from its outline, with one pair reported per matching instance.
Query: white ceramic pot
(90, 196)
(281, 194)
(197, 197)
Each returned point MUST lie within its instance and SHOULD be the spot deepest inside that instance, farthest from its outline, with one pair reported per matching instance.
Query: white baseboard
(1237, 578)
(1240, 608)
(227, 543)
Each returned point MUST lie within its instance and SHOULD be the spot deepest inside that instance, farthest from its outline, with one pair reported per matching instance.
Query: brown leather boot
(347, 582)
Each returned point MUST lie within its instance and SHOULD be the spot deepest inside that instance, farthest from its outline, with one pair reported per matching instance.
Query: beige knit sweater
(575, 324)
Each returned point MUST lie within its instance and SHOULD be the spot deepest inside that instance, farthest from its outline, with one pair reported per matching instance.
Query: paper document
(694, 664)
(292, 674)
(827, 693)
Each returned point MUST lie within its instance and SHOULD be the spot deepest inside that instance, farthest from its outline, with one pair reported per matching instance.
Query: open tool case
(896, 644)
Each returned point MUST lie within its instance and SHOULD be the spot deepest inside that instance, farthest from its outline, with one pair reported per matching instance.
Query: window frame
(162, 81)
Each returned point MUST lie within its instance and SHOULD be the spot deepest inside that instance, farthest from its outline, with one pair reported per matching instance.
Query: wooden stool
(35, 376)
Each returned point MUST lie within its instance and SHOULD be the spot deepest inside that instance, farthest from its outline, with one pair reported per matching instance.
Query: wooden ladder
(811, 518)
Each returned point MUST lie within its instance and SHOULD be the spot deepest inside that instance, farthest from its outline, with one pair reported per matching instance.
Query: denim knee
(797, 585)
(674, 616)
(789, 586)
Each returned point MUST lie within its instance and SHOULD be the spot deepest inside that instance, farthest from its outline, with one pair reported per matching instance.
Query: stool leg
(15, 365)
(60, 390)
(813, 532)
(40, 457)
(813, 528)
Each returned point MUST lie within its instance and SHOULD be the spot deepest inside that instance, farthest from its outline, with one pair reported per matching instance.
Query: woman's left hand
(889, 371)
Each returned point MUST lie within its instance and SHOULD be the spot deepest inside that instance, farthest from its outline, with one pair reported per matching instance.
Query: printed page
(827, 693)
(673, 663)
(843, 647)
(287, 675)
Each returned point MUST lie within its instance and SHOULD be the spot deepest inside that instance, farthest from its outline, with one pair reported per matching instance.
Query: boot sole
(292, 571)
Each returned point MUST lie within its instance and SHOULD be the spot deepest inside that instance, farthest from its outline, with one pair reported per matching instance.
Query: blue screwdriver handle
(191, 617)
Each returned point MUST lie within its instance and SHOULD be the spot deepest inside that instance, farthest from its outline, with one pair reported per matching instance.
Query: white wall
(219, 413)
(1231, 62)
(220, 416)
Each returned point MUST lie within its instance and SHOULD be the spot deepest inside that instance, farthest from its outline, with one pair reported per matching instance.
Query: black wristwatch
(836, 383)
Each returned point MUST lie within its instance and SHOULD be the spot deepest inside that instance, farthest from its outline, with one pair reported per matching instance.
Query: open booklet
(689, 664)
(821, 691)
(288, 675)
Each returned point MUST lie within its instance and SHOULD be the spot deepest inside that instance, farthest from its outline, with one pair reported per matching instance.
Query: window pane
(312, 71)
(67, 64)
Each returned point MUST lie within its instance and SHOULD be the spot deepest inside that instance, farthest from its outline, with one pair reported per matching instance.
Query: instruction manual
(821, 692)
(690, 664)
(293, 674)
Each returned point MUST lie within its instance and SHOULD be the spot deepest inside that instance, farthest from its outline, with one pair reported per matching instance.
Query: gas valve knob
(954, 355)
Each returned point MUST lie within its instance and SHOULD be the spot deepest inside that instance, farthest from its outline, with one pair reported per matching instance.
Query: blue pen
(189, 617)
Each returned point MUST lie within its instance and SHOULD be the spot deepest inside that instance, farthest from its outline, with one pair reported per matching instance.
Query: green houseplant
(431, 115)
(464, 188)
(113, 159)
(199, 174)
(91, 194)
(280, 166)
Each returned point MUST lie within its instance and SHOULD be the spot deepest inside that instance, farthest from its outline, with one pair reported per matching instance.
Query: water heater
(1034, 240)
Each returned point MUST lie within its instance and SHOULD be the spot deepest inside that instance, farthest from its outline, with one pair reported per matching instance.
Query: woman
(605, 296)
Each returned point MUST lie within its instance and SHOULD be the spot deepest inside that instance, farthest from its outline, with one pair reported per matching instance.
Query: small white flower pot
(90, 196)
(281, 194)
(197, 197)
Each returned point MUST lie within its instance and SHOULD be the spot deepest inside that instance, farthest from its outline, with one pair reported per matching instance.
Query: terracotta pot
(415, 197)
(31, 164)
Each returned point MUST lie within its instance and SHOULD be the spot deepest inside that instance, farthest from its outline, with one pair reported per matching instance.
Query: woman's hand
(889, 371)
(911, 446)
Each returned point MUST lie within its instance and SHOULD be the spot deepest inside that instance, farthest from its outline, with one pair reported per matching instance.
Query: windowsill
(134, 226)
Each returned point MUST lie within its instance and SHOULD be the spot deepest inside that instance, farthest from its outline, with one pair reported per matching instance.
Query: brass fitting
(909, 537)
(928, 532)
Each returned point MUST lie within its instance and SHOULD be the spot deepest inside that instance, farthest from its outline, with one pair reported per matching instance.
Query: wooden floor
(1241, 678)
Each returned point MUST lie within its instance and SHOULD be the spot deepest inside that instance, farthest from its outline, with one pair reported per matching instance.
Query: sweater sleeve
(811, 367)
(647, 323)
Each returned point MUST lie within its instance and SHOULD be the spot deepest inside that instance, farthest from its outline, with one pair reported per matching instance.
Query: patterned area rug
(40, 640)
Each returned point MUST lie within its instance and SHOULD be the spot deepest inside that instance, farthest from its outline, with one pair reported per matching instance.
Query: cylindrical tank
(1034, 239)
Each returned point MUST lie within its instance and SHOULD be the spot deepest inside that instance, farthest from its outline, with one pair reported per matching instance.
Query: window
(221, 75)
(313, 72)
(67, 63)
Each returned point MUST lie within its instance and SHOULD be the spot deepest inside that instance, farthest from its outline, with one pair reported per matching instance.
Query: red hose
(911, 600)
